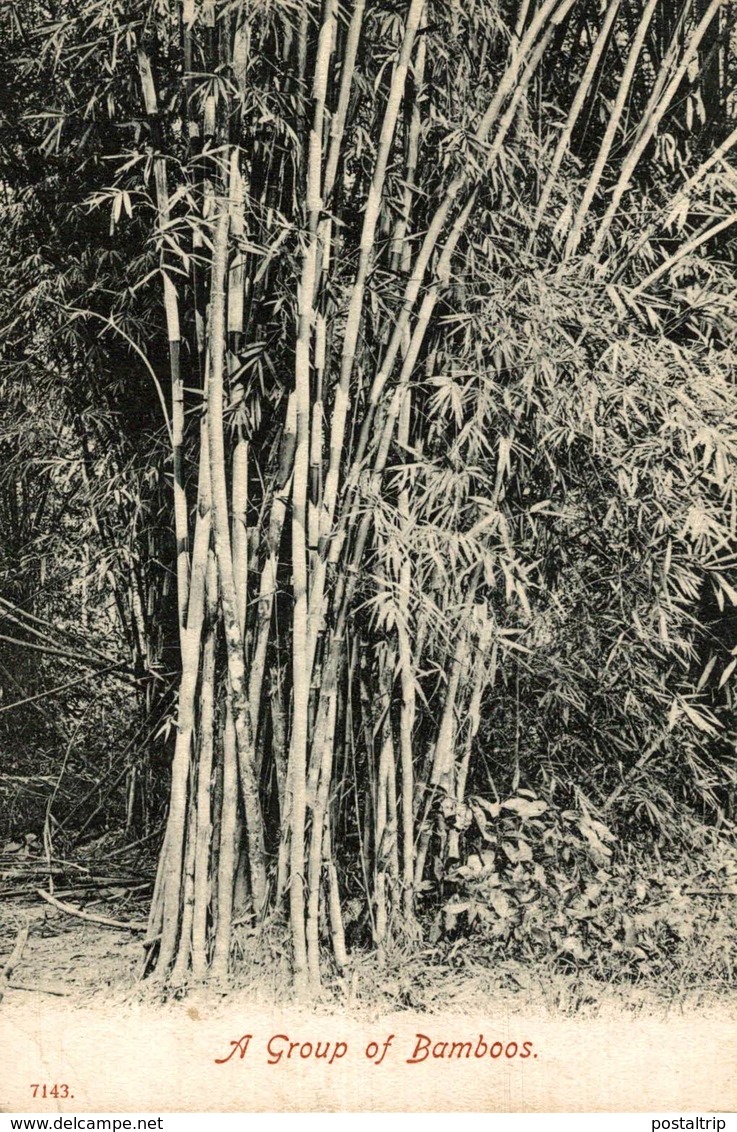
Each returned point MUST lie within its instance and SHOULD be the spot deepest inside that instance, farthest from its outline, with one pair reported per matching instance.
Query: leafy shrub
(537, 881)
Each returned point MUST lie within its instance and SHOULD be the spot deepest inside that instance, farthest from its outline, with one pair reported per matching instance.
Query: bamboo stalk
(401, 252)
(239, 477)
(385, 813)
(371, 215)
(279, 740)
(681, 196)
(403, 261)
(649, 126)
(582, 92)
(227, 857)
(239, 481)
(406, 730)
(171, 306)
(184, 950)
(392, 812)
(300, 677)
(423, 845)
(166, 903)
(443, 757)
(202, 883)
(302, 38)
(522, 14)
(335, 910)
(623, 90)
(325, 237)
(336, 134)
(474, 708)
(300, 491)
(228, 599)
(267, 587)
(675, 30)
(685, 250)
(314, 866)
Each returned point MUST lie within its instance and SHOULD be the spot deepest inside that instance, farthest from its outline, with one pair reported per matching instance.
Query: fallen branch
(117, 669)
(19, 874)
(70, 865)
(107, 921)
(117, 879)
(25, 778)
(711, 892)
(128, 892)
(24, 614)
(38, 989)
(134, 844)
(17, 953)
(90, 888)
(15, 957)
(49, 650)
(11, 893)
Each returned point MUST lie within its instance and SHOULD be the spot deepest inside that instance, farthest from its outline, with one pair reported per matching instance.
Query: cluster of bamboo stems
(279, 680)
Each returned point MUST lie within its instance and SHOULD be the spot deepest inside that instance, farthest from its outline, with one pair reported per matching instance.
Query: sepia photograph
(368, 555)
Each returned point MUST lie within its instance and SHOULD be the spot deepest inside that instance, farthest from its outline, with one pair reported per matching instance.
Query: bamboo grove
(450, 412)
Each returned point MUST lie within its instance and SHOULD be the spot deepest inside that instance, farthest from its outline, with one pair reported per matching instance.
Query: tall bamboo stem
(204, 775)
(171, 306)
(228, 597)
(300, 674)
(582, 93)
(169, 876)
(649, 126)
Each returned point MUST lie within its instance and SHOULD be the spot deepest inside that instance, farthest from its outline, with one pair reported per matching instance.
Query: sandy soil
(114, 1048)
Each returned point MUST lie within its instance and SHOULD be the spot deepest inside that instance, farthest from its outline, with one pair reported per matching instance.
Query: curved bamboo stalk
(366, 247)
(680, 197)
(550, 14)
(649, 126)
(686, 249)
(594, 179)
(592, 68)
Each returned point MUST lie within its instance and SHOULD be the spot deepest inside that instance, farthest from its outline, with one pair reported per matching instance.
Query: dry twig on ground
(15, 957)
(107, 921)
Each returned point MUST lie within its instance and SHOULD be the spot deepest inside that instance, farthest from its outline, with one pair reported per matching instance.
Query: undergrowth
(542, 909)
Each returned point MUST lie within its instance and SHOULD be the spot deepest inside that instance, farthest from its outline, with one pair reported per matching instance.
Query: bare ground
(76, 1012)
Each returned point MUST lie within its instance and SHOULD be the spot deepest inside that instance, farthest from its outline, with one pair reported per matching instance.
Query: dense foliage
(435, 338)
